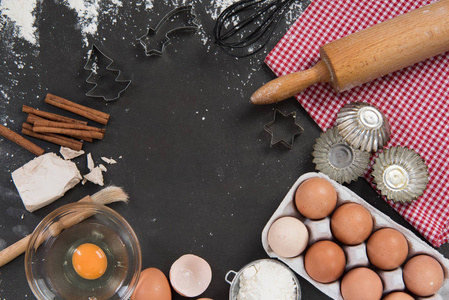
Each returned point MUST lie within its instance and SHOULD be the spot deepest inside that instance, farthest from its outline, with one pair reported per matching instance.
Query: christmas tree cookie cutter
(283, 129)
(157, 39)
(104, 76)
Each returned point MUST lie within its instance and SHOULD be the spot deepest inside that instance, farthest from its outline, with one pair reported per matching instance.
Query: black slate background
(197, 186)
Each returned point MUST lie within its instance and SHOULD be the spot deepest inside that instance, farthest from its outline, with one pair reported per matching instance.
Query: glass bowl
(48, 258)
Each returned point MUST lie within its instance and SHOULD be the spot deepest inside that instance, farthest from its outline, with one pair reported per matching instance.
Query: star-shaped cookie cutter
(278, 127)
(92, 65)
(180, 18)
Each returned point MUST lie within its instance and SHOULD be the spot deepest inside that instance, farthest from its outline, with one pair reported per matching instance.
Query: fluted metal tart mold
(363, 126)
(337, 159)
(400, 174)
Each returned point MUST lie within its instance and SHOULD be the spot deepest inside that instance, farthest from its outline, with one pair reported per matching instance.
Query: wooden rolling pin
(369, 54)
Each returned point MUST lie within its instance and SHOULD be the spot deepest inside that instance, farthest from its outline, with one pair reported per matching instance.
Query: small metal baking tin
(363, 126)
(236, 276)
(94, 78)
(337, 159)
(280, 133)
(400, 174)
(157, 39)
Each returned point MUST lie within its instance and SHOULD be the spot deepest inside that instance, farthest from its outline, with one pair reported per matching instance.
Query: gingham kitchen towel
(415, 100)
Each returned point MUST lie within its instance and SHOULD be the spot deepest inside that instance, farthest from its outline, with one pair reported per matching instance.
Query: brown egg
(288, 237)
(351, 224)
(398, 296)
(361, 284)
(325, 261)
(152, 285)
(387, 248)
(315, 198)
(423, 275)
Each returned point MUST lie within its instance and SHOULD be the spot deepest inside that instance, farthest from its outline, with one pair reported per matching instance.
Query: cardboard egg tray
(355, 255)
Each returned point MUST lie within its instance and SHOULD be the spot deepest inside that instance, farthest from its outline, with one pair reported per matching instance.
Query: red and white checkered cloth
(415, 100)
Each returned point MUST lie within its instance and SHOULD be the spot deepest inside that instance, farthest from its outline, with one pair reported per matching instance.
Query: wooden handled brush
(369, 54)
(105, 196)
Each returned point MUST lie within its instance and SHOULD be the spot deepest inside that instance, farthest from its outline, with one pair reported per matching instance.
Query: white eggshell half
(190, 275)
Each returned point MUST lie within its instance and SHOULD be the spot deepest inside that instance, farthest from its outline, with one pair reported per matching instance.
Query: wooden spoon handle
(291, 84)
(14, 250)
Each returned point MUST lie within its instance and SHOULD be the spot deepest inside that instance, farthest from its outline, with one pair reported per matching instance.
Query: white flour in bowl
(266, 280)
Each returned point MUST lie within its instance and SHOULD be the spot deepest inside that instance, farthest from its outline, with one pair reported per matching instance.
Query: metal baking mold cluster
(343, 153)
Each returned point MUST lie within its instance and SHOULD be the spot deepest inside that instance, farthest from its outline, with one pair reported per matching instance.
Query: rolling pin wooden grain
(369, 54)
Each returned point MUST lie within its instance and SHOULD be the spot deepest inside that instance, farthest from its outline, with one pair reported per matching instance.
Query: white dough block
(44, 180)
(68, 153)
(95, 176)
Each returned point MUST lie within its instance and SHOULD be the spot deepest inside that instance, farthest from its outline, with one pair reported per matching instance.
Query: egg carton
(355, 255)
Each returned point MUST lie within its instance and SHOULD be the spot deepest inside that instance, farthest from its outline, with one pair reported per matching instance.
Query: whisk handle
(291, 84)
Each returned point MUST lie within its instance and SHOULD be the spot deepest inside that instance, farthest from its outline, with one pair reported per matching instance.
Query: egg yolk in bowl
(89, 261)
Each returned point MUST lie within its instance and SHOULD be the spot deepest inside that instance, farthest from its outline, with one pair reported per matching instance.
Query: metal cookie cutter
(104, 77)
(156, 39)
(337, 159)
(400, 174)
(283, 129)
(363, 126)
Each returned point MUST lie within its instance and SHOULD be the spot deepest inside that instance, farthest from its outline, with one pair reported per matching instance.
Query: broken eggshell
(190, 275)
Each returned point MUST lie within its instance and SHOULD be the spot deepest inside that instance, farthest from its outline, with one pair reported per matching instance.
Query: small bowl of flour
(264, 279)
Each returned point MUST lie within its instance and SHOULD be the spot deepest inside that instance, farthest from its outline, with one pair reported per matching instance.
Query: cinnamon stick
(53, 138)
(87, 112)
(71, 132)
(50, 116)
(33, 118)
(47, 123)
(21, 141)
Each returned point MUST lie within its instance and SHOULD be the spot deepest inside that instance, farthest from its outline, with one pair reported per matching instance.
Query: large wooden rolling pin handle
(369, 53)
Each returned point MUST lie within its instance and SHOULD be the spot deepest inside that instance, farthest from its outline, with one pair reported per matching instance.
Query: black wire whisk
(246, 26)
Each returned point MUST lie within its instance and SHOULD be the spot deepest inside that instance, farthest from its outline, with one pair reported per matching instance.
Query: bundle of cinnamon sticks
(61, 130)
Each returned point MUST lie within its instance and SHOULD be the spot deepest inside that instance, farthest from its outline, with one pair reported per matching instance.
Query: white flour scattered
(215, 7)
(21, 13)
(148, 4)
(88, 14)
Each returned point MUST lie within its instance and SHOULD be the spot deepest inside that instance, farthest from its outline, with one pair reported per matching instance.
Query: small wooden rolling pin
(369, 54)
